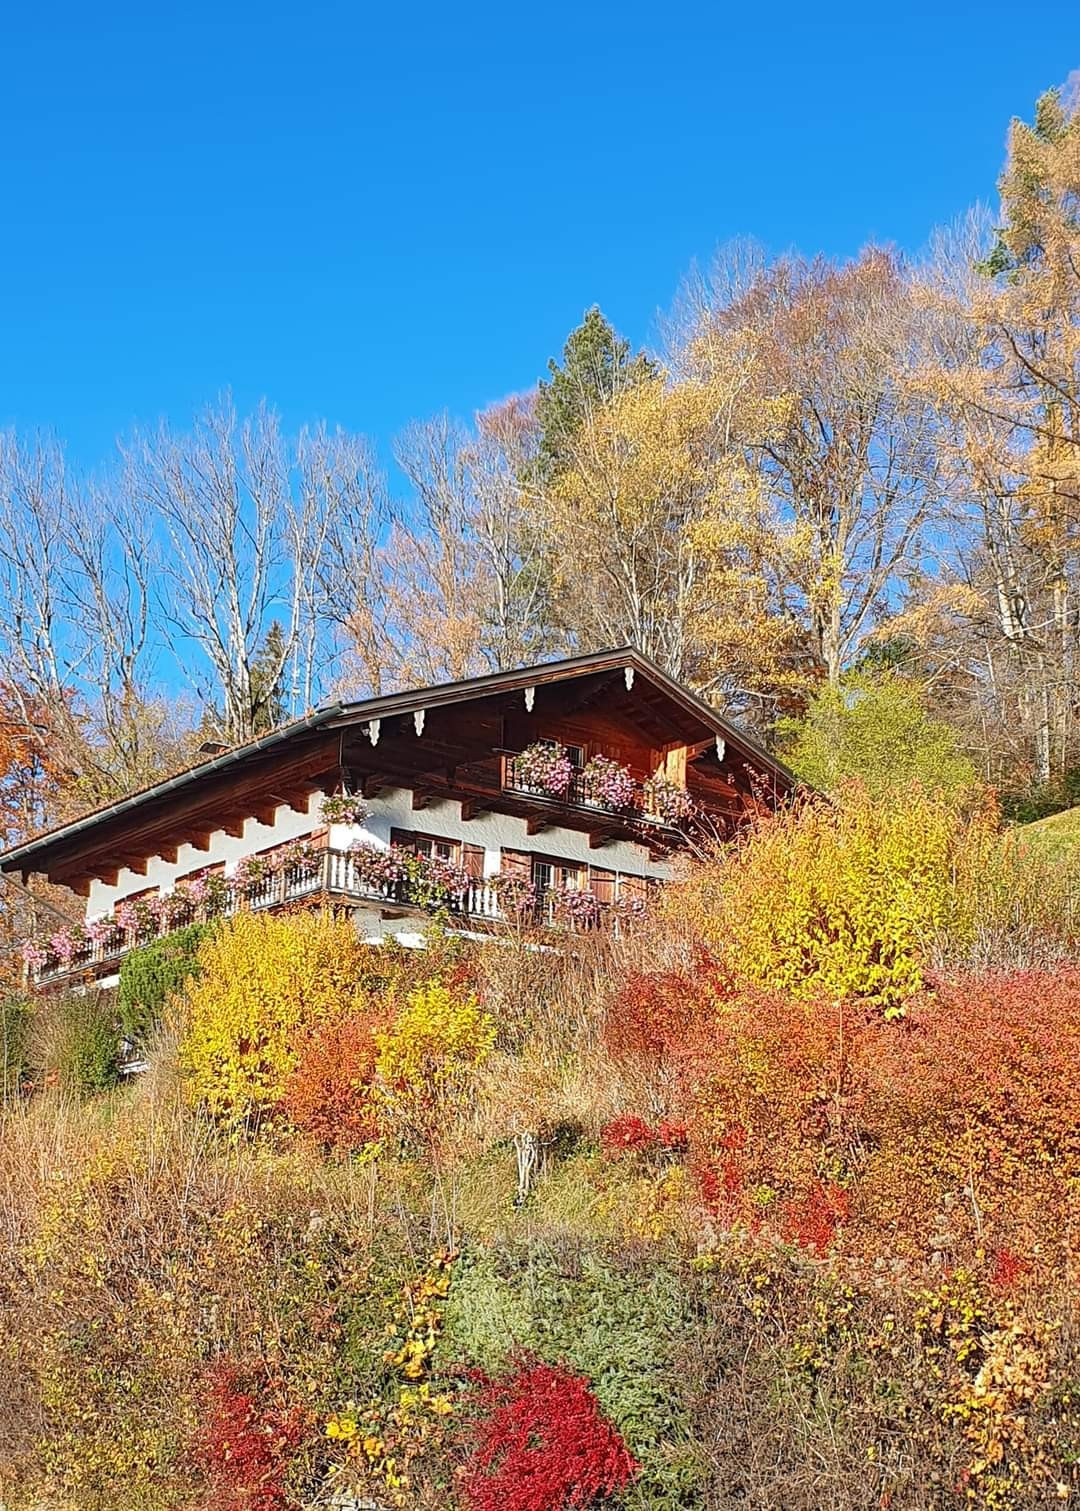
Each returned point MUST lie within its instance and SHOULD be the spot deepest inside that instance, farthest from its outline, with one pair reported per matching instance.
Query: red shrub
(542, 1444)
(327, 1095)
(627, 1132)
(811, 1221)
(1008, 1269)
(671, 1135)
(653, 1013)
(247, 1443)
(630, 1132)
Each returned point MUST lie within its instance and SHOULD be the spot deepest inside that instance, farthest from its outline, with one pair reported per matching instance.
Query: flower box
(544, 767)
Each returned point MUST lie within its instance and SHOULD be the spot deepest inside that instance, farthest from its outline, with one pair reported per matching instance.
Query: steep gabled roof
(34, 854)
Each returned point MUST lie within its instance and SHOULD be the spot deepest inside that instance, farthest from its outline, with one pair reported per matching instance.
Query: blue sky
(371, 213)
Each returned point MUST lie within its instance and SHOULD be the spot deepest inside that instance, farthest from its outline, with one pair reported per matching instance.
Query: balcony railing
(581, 794)
(336, 874)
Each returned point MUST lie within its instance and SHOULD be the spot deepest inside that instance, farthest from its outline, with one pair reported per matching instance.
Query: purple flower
(345, 808)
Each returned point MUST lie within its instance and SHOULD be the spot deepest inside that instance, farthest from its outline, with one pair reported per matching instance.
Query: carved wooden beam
(421, 798)
(472, 808)
(537, 824)
(266, 814)
(199, 839)
(234, 827)
(169, 853)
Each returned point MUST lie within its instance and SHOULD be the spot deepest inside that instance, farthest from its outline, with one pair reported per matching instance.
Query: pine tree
(268, 709)
(596, 365)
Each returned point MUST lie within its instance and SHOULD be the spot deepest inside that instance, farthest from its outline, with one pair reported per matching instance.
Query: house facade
(560, 791)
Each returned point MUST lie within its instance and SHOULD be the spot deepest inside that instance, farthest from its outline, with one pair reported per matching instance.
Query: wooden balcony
(336, 877)
(641, 817)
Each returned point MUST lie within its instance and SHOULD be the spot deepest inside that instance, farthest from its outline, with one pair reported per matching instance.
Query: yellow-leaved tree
(660, 535)
(264, 983)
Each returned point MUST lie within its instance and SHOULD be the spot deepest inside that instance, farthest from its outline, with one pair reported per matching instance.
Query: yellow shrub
(437, 1039)
(842, 899)
(264, 980)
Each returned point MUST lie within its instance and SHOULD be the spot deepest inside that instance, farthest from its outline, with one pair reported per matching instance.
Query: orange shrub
(653, 1011)
(328, 1092)
(976, 1102)
(952, 1132)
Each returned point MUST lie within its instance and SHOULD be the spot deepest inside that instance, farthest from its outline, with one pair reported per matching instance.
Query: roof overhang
(318, 729)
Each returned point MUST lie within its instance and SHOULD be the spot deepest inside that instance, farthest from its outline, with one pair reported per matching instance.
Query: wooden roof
(311, 753)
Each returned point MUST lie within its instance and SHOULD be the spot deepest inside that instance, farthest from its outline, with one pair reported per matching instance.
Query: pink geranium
(544, 766)
(609, 783)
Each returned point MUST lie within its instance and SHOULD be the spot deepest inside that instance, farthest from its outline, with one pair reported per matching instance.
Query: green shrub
(621, 1324)
(14, 1046)
(83, 1041)
(149, 977)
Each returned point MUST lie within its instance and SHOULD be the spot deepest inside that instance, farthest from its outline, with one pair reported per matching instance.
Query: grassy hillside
(766, 1200)
(1057, 836)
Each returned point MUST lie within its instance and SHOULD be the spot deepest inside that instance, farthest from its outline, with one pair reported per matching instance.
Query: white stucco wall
(289, 823)
(392, 809)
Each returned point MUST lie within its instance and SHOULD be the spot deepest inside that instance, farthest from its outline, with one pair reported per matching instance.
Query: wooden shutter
(472, 861)
(517, 863)
(632, 887)
(602, 885)
(406, 838)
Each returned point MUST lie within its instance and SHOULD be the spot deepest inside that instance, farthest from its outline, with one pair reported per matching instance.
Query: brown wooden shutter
(406, 838)
(632, 887)
(472, 861)
(516, 863)
(602, 885)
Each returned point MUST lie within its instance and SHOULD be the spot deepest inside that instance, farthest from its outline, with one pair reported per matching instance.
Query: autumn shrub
(329, 1092)
(541, 1443)
(949, 1133)
(841, 899)
(651, 1013)
(969, 1114)
(263, 982)
(149, 976)
(247, 1441)
(397, 1442)
(427, 1055)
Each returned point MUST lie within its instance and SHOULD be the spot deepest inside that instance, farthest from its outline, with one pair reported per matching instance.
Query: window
(436, 849)
(575, 754)
(556, 873)
(430, 846)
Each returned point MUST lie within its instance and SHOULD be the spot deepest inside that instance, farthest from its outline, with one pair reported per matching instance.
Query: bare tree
(462, 575)
(75, 623)
(852, 467)
(253, 524)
